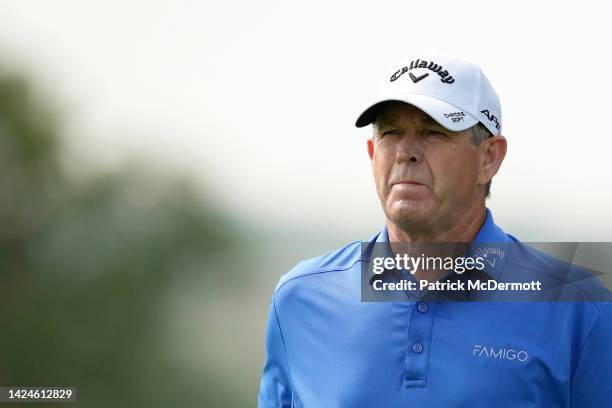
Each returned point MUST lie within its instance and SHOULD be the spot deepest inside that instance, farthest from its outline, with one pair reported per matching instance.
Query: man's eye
(435, 132)
(391, 133)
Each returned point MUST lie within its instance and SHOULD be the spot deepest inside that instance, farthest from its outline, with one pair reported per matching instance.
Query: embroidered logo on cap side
(455, 116)
(491, 117)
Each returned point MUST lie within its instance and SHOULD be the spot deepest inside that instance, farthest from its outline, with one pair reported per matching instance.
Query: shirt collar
(491, 243)
(488, 233)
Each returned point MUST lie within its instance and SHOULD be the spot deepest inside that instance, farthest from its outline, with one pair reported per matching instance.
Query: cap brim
(447, 115)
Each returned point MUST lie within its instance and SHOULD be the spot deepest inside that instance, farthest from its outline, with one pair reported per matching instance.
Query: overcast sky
(257, 100)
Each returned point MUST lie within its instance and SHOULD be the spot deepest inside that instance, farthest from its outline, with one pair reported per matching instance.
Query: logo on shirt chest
(482, 351)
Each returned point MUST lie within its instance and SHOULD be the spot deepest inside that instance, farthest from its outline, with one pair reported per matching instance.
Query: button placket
(418, 338)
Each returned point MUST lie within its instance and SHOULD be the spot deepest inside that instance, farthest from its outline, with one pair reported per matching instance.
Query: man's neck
(464, 229)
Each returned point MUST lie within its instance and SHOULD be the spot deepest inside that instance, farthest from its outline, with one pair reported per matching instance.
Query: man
(436, 146)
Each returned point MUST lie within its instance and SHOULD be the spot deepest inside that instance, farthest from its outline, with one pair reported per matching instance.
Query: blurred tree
(85, 268)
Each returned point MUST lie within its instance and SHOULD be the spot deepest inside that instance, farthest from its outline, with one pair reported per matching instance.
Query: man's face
(425, 175)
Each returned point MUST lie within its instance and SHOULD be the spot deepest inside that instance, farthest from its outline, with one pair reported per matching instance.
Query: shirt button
(422, 307)
(417, 348)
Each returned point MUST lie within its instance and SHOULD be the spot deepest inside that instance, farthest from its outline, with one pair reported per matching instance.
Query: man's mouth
(409, 182)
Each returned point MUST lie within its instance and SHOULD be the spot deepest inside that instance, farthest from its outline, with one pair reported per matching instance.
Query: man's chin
(407, 216)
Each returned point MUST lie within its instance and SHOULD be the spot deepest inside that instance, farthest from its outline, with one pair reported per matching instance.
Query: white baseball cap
(454, 92)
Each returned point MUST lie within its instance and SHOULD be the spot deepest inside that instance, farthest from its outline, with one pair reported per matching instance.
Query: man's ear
(494, 151)
(371, 148)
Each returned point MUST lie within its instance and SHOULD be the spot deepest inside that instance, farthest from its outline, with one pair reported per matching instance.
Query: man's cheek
(379, 181)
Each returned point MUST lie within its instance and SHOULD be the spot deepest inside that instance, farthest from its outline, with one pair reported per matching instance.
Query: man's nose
(409, 149)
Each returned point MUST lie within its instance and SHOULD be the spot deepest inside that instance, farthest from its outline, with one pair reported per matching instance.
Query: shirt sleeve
(275, 388)
(591, 384)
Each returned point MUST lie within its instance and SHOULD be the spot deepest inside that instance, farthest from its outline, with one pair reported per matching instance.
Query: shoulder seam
(319, 271)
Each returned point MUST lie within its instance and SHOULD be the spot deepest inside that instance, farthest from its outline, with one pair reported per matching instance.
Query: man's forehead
(394, 112)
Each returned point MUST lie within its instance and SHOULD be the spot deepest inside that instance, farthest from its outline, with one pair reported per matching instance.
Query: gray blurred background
(162, 164)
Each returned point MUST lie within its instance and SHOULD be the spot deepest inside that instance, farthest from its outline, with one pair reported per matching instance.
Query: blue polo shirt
(326, 347)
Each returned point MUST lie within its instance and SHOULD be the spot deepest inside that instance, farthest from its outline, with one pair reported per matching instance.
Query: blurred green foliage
(86, 267)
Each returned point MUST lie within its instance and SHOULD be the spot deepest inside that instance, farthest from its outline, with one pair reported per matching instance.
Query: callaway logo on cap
(454, 92)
